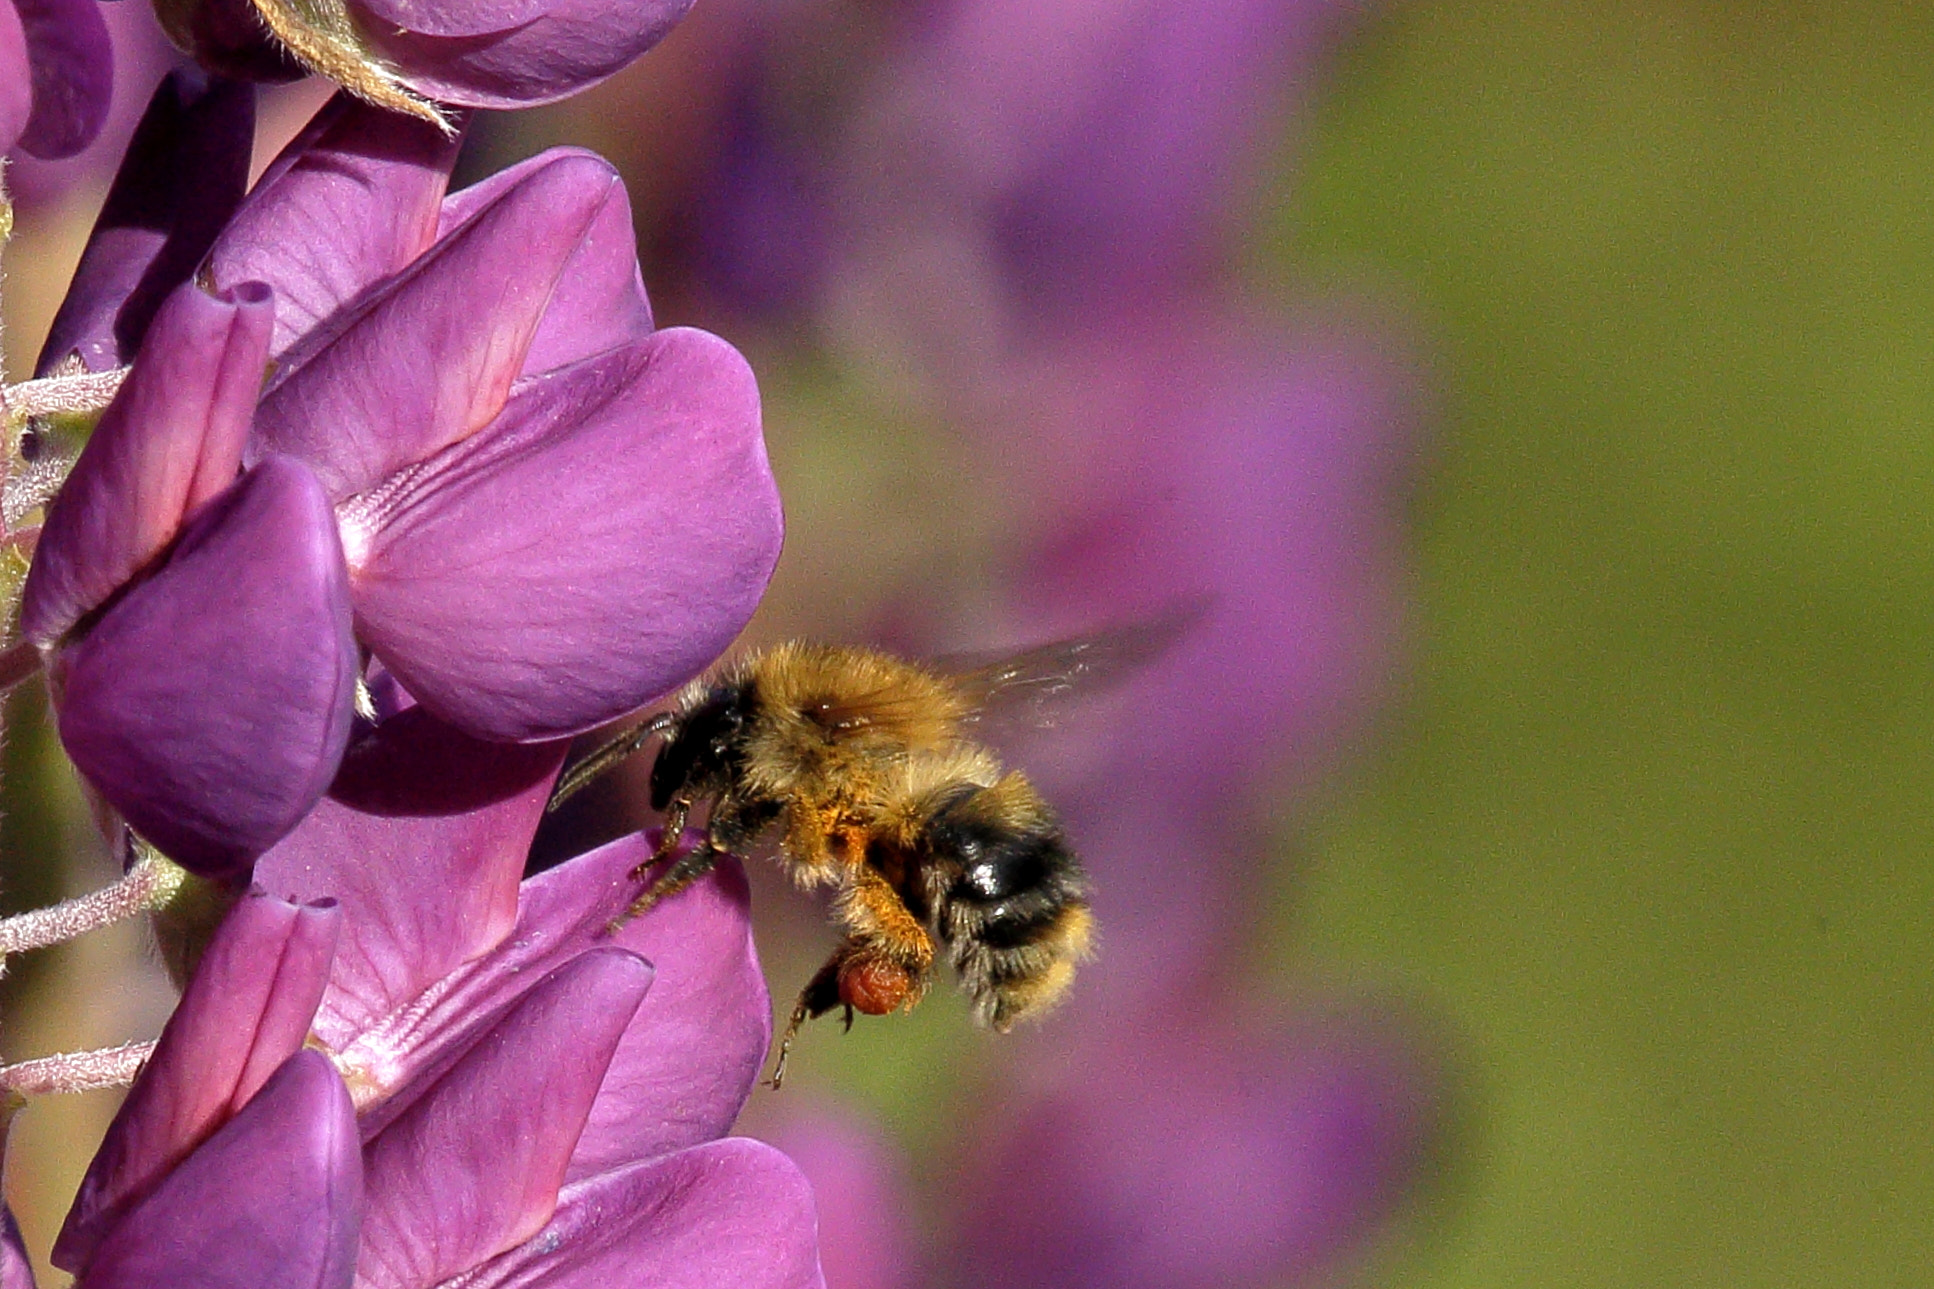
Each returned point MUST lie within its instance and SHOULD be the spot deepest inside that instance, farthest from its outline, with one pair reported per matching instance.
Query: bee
(864, 767)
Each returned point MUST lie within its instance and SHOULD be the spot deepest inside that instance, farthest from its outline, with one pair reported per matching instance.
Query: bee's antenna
(575, 779)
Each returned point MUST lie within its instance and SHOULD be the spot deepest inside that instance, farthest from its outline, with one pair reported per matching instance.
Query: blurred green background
(1653, 825)
(1649, 825)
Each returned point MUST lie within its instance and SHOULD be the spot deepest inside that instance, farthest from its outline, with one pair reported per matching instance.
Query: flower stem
(81, 392)
(148, 885)
(111, 1067)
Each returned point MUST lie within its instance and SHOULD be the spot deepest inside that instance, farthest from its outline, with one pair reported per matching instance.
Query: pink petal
(426, 874)
(272, 1201)
(473, 1165)
(733, 1212)
(170, 441)
(428, 360)
(246, 1010)
(350, 202)
(600, 544)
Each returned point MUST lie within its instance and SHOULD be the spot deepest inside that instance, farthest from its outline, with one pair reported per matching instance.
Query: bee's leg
(820, 996)
(604, 757)
(684, 870)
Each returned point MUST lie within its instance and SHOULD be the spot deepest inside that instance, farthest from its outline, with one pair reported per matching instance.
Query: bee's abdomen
(1009, 898)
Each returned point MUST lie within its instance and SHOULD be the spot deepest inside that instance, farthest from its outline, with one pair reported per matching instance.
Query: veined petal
(429, 359)
(352, 200)
(181, 179)
(600, 544)
(472, 1166)
(246, 1011)
(689, 1056)
(455, 17)
(171, 439)
(272, 1201)
(599, 301)
(422, 842)
(211, 705)
(570, 45)
(733, 1212)
(73, 70)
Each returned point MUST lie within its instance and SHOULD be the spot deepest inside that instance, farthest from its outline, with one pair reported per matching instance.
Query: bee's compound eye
(873, 985)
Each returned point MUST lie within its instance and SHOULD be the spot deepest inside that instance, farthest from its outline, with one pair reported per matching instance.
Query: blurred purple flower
(56, 75)
(865, 1232)
(471, 53)
(537, 1102)
(550, 512)
(1204, 1153)
(1229, 454)
(1102, 147)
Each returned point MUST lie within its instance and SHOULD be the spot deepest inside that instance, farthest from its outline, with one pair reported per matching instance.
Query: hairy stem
(87, 391)
(148, 885)
(111, 1067)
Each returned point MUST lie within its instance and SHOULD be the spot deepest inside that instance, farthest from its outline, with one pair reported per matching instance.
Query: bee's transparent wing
(1028, 688)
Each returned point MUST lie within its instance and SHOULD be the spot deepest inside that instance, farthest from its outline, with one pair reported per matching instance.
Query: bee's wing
(1027, 688)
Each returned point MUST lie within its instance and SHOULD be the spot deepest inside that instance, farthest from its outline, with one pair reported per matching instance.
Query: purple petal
(212, 704)
(600, 544)
(473, 1165)
(733, 1212)
(455, 17)
(16, 1272)
(427, 877)
(246, 1011)
(353, 199)
(430, 359)
(860, 1192)
(16, 86)
(171, 440)
(599, 301)
(569, 46)
(73, 68)
(689, 1057)
(1104, 144)
(689, 1060)
(182, 178)
(271, 1201)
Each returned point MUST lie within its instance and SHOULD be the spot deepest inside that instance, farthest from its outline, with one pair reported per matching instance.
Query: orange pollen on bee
(873, 985)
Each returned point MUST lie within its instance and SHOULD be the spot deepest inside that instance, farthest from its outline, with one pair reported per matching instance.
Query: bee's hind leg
(820, 996)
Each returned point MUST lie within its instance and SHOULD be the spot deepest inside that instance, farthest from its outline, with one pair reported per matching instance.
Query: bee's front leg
(684, 870)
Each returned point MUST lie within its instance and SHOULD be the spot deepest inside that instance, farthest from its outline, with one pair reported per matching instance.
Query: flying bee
(863, 766)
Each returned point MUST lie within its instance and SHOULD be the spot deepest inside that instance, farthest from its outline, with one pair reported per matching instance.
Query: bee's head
(703, 748)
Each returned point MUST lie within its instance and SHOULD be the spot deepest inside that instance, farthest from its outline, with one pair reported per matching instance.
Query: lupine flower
(505, 53)
(550, 512)
(1209, 1152)
(56, 75)
(537, 1102)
